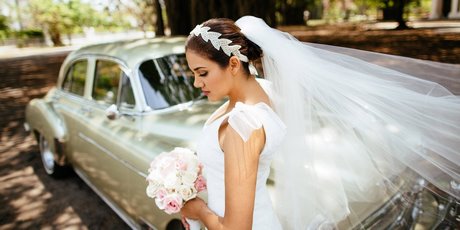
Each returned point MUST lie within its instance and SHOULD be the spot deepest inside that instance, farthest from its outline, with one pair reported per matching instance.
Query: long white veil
(355, 121)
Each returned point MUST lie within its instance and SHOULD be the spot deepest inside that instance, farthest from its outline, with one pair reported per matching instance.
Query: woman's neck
(246, 90)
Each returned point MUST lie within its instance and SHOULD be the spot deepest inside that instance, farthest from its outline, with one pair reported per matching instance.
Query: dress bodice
(243, 118)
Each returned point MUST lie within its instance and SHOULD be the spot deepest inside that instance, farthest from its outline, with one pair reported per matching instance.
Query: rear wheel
(48, 159)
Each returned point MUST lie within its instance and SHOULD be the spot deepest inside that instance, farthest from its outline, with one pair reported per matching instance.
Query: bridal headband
(219, 43)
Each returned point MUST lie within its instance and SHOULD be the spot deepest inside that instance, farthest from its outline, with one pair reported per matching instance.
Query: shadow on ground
(29, 198)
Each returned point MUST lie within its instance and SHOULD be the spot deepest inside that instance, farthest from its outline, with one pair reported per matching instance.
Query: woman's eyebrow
(197, 68)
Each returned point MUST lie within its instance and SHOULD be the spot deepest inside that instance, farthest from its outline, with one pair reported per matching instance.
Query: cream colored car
(114, 108)
(117, 105)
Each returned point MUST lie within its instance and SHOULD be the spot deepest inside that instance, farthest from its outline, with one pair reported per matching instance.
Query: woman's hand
(184, 222)
(192, 208)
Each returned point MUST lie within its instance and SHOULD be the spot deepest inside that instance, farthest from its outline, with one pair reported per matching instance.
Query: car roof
(132, 52)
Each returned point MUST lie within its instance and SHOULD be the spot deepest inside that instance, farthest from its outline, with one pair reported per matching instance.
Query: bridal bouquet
(174, 178)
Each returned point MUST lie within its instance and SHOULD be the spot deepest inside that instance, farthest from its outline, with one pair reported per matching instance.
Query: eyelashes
(203, 74)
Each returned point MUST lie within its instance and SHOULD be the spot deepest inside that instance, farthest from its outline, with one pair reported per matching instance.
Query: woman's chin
(213, 99)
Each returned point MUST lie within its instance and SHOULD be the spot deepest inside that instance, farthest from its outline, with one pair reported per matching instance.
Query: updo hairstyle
(230, 31)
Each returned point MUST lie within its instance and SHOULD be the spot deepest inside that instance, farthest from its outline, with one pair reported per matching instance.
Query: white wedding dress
(242, 118)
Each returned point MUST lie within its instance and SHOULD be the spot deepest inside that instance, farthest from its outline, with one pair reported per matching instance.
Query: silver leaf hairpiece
(219, 43)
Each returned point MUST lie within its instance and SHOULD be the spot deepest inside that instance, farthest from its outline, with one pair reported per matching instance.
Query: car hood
(180, 124)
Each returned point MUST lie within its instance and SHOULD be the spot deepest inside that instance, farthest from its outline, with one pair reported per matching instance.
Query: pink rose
(200, 183)
(160, 198)
(161, 193)
(173, 203)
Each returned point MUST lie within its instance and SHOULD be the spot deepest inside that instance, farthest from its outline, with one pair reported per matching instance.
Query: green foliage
(4, 29)
(32, 33)
(24, 37)
(383, 4)
(68, 17)
(3, 23)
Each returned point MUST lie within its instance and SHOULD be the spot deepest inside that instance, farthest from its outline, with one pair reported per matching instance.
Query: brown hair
(230, 31)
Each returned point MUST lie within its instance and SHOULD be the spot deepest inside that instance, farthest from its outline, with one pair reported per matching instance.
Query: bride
(336, 128)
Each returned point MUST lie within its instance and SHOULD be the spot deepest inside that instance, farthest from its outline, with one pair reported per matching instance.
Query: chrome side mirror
(112, 112)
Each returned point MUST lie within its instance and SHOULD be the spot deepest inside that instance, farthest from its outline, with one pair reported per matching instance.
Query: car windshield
(167, 81)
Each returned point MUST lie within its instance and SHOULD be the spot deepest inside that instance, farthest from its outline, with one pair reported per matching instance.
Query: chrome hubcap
(47, 155)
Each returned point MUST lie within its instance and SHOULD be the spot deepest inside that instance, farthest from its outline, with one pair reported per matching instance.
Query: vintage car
(117, 105)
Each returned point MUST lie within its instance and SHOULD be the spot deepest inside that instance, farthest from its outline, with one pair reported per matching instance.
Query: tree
(18, 13)
(58, 17)
(51, 17)
(159, 24)
(3, 27)
(292, 11)
(3, 23)
(262, 9)
(178, 14)
(394, 10)
(400, 5)
(148, 14)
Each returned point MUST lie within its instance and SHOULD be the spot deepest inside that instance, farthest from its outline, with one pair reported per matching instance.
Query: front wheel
(48, 159)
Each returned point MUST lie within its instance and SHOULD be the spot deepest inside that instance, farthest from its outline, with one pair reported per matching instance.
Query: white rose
(154, 177)
(188, 178)
(193, 166)
(180, 150)
(171, 181)
(187, 193)
(152, 188)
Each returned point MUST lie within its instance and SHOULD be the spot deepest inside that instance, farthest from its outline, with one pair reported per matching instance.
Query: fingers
(185, 223)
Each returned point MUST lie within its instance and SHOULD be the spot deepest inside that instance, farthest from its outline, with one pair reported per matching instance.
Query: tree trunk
(183, 15)
(202, 10)
(18, 13)
(55, 35)
(346, 10)
(159, 23)
(264, 9)
(178, 13)
(400, 5)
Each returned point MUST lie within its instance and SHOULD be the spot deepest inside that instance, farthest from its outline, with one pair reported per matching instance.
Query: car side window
(127, 100)
(75, 79)
(106, 79)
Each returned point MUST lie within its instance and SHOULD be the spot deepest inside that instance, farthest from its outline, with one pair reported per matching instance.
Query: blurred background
(426, 29)
(36, 36)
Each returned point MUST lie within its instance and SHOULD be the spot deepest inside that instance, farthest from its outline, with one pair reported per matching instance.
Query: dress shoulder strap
(244, 118)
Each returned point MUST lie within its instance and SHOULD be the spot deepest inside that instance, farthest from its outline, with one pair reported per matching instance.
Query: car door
(69, 101)
(104, 148)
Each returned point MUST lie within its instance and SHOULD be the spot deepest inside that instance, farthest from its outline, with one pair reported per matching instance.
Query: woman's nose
(197, 83)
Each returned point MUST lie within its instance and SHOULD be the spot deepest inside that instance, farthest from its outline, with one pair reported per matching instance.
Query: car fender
(42, 118)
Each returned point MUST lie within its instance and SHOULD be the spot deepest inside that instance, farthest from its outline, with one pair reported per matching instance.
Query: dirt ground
(29, 199)
(431, 41)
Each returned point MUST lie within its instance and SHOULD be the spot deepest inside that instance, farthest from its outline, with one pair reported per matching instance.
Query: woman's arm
(241, 163)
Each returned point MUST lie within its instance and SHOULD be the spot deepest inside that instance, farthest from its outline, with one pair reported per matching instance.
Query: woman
(351, 127)
(239, 139)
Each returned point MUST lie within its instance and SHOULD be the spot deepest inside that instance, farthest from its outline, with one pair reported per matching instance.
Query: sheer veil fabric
(355, 120)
